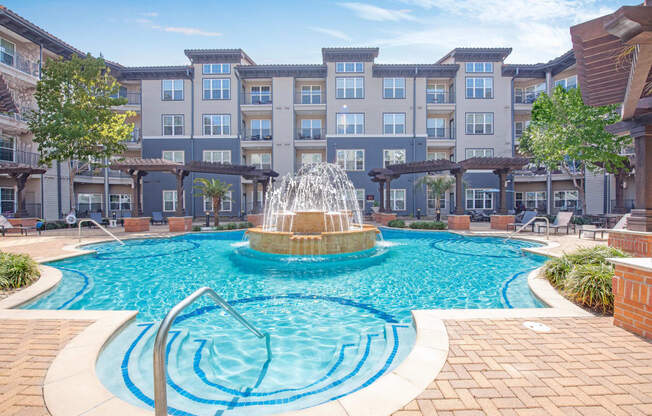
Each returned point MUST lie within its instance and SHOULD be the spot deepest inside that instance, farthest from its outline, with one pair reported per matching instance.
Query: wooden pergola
(20, 172)
(501, 166)
(614, 60)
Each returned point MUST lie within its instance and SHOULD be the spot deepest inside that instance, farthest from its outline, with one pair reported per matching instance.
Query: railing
(523, 97)
(33, 210)
(310, 97)
(440, 133)
(160, 343)
(136, 135)
(91, 171)
(18, 156)
(118, 174)
(79, 224)
(21, 63)
(133, 98)
(530, 223)
(439, 97)
(256, 98)
(258, 134)
(311, 134)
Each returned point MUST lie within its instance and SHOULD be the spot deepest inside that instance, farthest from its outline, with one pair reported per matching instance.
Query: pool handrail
(530, 222)
(79, 224)
(160, 343)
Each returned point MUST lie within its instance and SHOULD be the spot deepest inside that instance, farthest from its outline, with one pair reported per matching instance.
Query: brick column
(180, 224)
(499, 222)
(632, 288)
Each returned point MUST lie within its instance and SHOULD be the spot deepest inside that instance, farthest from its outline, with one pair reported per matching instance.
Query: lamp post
(208, 218)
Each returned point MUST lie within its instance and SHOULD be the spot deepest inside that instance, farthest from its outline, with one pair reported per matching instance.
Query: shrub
(196, 228)
(219, 228)
(556, 270)
(396, 223)
(428, 225)
(581, 220)
(231, 226)
(17, 270)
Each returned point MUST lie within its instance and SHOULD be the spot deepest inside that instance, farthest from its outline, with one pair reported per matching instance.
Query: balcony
(310, 97)
(133, 98)
(256, 98)
(440, 138)
(439, 97)
(310, 134)
(21, 63)
(264, 134)
(18, 156)
(522, 97)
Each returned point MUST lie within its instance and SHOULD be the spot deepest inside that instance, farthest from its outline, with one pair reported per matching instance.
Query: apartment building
(348, 110)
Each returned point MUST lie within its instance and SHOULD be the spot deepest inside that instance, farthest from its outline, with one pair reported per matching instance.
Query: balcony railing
(258, 134)
(18, 156)
(136, 135)
(256, 98)
(440, 133)
(439, 97)
(118, 174)
(311, 134)
(9, 209)
(21, 63)
(522, 97)
(133, 98)
(310, 97)
(89, 171)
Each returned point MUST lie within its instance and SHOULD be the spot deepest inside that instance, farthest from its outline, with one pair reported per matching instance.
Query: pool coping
(72, 387)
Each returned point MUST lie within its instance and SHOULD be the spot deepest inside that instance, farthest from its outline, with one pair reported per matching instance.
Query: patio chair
(97, 217)
(562, 220)
(157, 217)
(592, 229)
(6, 225)
(525, 218)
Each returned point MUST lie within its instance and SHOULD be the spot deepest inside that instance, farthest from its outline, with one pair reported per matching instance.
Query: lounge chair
(157, 217)
(97, 217)
(6, 225)
(620, 225)
(527, 216)
(562, 220)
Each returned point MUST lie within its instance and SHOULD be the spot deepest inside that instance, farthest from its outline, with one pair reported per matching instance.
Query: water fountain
(315, 212)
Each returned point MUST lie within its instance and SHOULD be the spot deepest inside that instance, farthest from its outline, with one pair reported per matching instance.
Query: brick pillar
(632, 288)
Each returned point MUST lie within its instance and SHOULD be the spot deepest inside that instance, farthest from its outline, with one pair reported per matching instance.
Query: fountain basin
(326, 242)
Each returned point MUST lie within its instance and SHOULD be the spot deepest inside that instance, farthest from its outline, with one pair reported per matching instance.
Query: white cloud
(330, 32)
(189, 31)
(142, 21)
(378, 14)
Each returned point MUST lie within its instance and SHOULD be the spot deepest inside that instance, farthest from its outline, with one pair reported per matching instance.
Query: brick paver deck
(583, 366)
(27, 347)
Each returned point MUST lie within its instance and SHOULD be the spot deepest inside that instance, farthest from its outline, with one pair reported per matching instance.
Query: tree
(75, 122)
(214, 189)
(438, 185)
(568, 135)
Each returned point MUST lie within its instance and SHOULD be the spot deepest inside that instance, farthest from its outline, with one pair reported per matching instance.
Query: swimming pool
(335, 323)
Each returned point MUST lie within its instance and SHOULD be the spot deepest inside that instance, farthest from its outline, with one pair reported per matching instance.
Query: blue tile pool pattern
(334, 324)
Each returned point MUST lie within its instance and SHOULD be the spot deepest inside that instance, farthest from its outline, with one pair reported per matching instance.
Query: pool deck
(490, 362)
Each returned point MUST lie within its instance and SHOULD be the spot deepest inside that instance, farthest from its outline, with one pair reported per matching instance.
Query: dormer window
(349, 67)
(216, 69)
(480, 67)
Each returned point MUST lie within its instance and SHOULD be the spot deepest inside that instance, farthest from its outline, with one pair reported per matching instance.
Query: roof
(554, 66)
(473, 54)
(247, 171)
(18, 168)
(148, 165)
(153, 72)
(424, 166)
(342, 54)
(206, 56)
(268, 71)
(420, 70)
(494, 163)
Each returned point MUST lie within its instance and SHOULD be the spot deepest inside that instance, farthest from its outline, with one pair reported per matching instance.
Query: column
(388, 197)
(459, 181)
(136, 209)
(641, 218)
(264, 184)
(502, 177)
(179, 211)
(254, 209)
(21, 180)
(381, 188)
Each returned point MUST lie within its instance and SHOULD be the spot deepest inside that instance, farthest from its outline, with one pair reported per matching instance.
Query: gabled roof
(268, 71)
(343, 54)
(154, 72)
(539, 70)
(476, 54)
(206, 56)
(418, 70)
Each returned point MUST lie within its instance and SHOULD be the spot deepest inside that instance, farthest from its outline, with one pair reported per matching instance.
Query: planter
(459, 222)
(499, 222)
(255, 219)
(180, 224)
(136, 224)
(383, 217)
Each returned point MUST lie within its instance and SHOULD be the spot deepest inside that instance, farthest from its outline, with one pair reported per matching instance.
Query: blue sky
(275, 31)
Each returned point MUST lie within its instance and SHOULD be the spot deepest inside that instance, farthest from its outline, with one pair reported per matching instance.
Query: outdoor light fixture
(208, 218)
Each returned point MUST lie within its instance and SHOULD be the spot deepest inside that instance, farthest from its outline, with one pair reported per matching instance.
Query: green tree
(568, 135)
(75, 122)
(437, 185)
(214, 189)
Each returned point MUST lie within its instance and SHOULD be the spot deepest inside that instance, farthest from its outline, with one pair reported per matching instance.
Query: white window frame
(351, 160)
(122, 199)
(7, 201)
(217, 124)
(211, 69)
(311, 126)
(360, 196)
(562, 199)
(310, 94)
(482, 85)
(309, 158)
(394, 123)
(170, 121)
(174, 86)
(481, 120)
(217, 88)
(217, 156)
(261, 160)
(393, 197)
(349, 67)
(344, 120)
(225, 201)
(346, 85)
(174, 199)
(436, 93)
(531, 200)
(260, 94)
(478, 152)
(4, 52)
(520, 126)
(258, 127)
(486, 198)
(393, 156)
(431, 200)
(436, 130)
(172, 155)
(479, 67)
(394, 88)
(565, 81)
(90, 199)
(437, 155)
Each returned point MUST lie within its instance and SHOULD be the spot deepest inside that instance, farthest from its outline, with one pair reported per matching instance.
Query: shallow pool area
(335, 323)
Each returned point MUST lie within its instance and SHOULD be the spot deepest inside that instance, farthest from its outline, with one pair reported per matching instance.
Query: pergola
(501, 166)
(139, 167)
(20, 172)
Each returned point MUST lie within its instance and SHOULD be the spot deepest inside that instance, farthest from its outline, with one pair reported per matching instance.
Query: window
(566, 199)
(350, 123)
(436, 127)
(349, 67)
(436, 94)
(437, 155)
(479, 87)
(217, 156)
(174, 156)
(89, 203)
(349, 87)
(519, 127)
(310, 129)
(217, 124)
(478, 199)
(394, 123)
(360, 196)
(122, 93)
(261, 94)
(217, 89)
(172, 89)
(261, 160)
(217, 69)
(7, 199)
(310, 158)
(261, 129)
(226, 203)
(169, 201)
(7, 52)
(479, 123)
(528, 95)
(311, 94)
(567, 83)
(432, 199)
(7, 144)
(350, 159)
(479, 67)
(397, 199)
(120, 202)
(173, 124)
(531, 200)
(479, 153)
(393, 157)
(393, 87)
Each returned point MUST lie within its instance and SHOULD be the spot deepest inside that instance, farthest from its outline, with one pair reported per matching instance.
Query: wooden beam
(638, 78)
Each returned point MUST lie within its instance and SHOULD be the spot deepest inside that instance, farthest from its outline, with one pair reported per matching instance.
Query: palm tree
(214, 189)
(437, 184)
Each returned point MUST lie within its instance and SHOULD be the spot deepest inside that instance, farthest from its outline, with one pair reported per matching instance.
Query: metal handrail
(160, 376)
(530, 222)
(101, 228)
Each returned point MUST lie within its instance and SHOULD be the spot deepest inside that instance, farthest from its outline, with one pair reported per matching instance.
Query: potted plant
(376, 207)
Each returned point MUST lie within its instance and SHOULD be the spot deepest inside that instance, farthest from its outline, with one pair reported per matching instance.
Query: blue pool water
(335, 323)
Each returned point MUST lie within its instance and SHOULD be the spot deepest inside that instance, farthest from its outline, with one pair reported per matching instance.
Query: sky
(155, 32)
